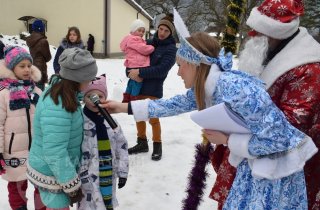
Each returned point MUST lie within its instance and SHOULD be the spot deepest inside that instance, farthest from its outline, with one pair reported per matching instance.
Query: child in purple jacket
(137, 55)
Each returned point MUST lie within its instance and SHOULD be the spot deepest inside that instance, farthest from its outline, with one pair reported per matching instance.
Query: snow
(151, 185)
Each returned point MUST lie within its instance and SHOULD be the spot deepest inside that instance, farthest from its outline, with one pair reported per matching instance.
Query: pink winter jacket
(136, 50)
(14, 135)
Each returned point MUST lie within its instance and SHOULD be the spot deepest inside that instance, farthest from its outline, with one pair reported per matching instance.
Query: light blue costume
(270, 160)
(273, 139)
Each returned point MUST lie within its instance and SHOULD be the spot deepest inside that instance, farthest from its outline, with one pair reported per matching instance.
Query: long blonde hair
(208, 46)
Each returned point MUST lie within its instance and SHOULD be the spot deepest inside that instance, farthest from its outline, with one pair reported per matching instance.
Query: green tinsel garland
(229, 39)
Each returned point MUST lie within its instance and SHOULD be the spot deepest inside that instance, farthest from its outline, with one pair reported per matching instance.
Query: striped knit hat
(14, 55)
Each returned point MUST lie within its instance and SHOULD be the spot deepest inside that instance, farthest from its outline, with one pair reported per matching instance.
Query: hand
(216, 137)
(114, 106)
(2, 165)
(75, 197)
(134, 75)
(122, 182)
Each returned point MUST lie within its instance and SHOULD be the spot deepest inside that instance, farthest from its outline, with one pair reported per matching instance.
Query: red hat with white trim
(278, 19)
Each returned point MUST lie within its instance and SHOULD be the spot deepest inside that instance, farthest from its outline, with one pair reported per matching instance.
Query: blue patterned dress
(270, 167)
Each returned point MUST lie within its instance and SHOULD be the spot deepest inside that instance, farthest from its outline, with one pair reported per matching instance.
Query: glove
(75, 196)
(122, 182)
(2, 164)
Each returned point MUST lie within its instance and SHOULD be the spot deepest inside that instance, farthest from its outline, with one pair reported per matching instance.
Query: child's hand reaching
(2, 164)
(122, 182)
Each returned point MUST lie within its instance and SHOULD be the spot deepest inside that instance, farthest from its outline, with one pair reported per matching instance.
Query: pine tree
(311, 18)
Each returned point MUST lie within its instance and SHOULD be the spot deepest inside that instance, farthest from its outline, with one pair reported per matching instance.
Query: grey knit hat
(77, 65)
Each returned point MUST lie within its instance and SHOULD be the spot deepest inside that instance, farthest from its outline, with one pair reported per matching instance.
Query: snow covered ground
(151, 185)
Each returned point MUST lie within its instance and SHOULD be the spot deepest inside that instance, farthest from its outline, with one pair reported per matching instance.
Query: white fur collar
(7, 73)
(210, 84)
(303, 49)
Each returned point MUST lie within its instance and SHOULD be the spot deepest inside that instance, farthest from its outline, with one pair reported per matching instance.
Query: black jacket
(161, 61)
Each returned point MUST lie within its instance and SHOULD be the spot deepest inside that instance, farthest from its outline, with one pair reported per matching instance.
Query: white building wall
(120, 17)
(88, 16)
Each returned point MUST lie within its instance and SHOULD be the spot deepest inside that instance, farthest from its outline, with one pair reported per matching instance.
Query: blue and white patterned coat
(269, 161)
(89, 168)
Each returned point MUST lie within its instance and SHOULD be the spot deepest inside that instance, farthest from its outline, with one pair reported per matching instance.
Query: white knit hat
(137, 24)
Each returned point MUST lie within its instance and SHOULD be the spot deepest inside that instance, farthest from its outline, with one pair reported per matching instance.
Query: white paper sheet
(220, 118)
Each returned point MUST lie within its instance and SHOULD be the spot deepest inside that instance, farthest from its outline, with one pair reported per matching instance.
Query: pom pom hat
(278, 19)
(167, 21)
(38, 26)
(136, 25)
(14, 55)
(99, 83)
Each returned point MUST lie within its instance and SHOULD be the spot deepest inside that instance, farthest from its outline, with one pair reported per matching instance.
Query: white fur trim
(9, 74)
(140, 110)
(303, 49)
(211, 83)
(50, 183)
(234, 160)
(271, 27)
(238, 145)
(291, 162)
(35, 74)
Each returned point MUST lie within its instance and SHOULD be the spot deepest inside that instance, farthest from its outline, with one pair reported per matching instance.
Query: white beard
(252, 56)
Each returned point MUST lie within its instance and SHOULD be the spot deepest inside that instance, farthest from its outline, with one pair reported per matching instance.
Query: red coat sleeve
(297, 94)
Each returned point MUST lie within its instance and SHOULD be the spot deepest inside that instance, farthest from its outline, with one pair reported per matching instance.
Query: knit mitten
(75, 196)
(2, 164)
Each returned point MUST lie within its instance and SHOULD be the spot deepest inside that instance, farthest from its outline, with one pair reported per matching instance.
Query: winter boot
(126, 98)
(141, 146)
(157, 151)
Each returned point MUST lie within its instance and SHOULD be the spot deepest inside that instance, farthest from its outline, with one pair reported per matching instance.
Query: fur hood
(7, 73)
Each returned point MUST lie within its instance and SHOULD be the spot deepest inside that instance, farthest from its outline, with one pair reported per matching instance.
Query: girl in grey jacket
(104, 155)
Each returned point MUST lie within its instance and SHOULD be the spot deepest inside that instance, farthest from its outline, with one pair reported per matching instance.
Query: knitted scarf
(105, 157)
(21, 93)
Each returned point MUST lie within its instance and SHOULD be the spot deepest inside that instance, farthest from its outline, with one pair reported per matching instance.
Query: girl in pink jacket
(137, 55)
(18, 97)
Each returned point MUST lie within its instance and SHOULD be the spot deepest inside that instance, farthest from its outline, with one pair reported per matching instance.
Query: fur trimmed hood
(7, 73)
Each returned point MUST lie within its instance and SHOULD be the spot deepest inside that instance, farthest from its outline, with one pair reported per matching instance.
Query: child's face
(23, 70)
(73, 37)
(88, 102)
(139, 32)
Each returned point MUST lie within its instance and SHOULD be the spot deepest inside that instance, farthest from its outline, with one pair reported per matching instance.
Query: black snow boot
(157, 151)
(22, 208)
(141, 146)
